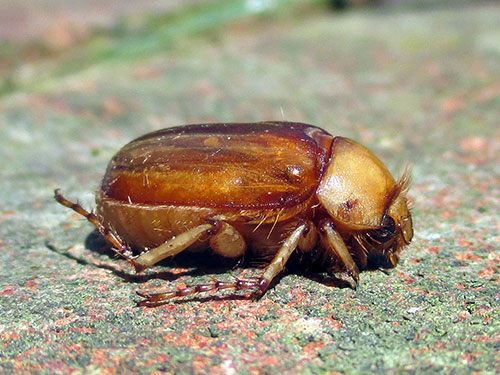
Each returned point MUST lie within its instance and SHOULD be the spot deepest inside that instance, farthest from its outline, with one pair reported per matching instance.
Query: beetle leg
(309, 238)
(275, 267)
(336, 244)
(227, 241)
(171, 247)
(119, 247)
(156, 299)
(278, 263)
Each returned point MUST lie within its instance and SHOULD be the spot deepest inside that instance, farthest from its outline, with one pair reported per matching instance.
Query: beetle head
(366, 203)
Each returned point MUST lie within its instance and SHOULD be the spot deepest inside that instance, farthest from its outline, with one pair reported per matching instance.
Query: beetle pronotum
(267, 189)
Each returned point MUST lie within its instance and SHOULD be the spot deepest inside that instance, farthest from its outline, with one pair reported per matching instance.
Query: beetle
(265, 189)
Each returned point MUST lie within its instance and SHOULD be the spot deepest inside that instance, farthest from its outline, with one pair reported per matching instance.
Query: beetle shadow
(318, 275)
(329, 280)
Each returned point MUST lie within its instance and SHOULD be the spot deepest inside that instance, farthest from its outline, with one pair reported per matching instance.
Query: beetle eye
(385, 232)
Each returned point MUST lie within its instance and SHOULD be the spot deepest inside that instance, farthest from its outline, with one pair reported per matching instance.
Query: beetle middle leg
(225, 240)
(302, 236)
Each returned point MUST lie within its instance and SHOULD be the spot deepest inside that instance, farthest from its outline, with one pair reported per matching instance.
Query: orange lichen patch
(312, 349)
(189, 339)
(452, 104)
(435, 249)
(486, 338)
(440, 345)
(463, 242)
(469, 357)
(463, 315)
(467, 255)
(475, 143)
(485, 94)
(416, 352)
(6, 336)
(65, 321)
(271, 361)
(446, 214)
(147, 72)
(487, 272)
(6, 291)
(200, 363)
(86, 330)
(31, 284)
(63, 34)
(362, 308)
(336, 324)
(408, 278)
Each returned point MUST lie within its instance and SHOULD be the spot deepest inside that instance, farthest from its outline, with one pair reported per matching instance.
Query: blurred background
(417, 81)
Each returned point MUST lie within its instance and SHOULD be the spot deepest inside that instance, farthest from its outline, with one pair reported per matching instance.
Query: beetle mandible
(267, 188)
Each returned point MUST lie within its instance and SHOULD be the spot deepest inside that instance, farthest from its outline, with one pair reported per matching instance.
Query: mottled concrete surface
(415, 84)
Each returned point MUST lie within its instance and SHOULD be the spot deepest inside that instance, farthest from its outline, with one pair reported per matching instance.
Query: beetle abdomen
(144, 226)
(237, 166)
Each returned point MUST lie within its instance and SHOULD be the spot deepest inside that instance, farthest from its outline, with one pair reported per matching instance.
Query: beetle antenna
(404, 181)
(401, 187)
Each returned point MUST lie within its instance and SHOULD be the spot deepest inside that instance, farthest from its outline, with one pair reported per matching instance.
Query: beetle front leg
(336, 244)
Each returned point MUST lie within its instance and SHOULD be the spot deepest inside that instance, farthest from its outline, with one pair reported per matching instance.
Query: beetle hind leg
(118, 246)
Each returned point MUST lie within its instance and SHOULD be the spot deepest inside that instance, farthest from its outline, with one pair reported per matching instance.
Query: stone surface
(415, 84)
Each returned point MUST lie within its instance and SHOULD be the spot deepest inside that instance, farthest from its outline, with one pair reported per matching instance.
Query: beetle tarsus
(262, 285)
(155, 299)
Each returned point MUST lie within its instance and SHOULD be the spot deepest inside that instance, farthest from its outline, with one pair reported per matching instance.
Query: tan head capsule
(261, 189)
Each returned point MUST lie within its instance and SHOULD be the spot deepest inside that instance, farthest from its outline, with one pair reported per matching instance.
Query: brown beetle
(266, 188)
